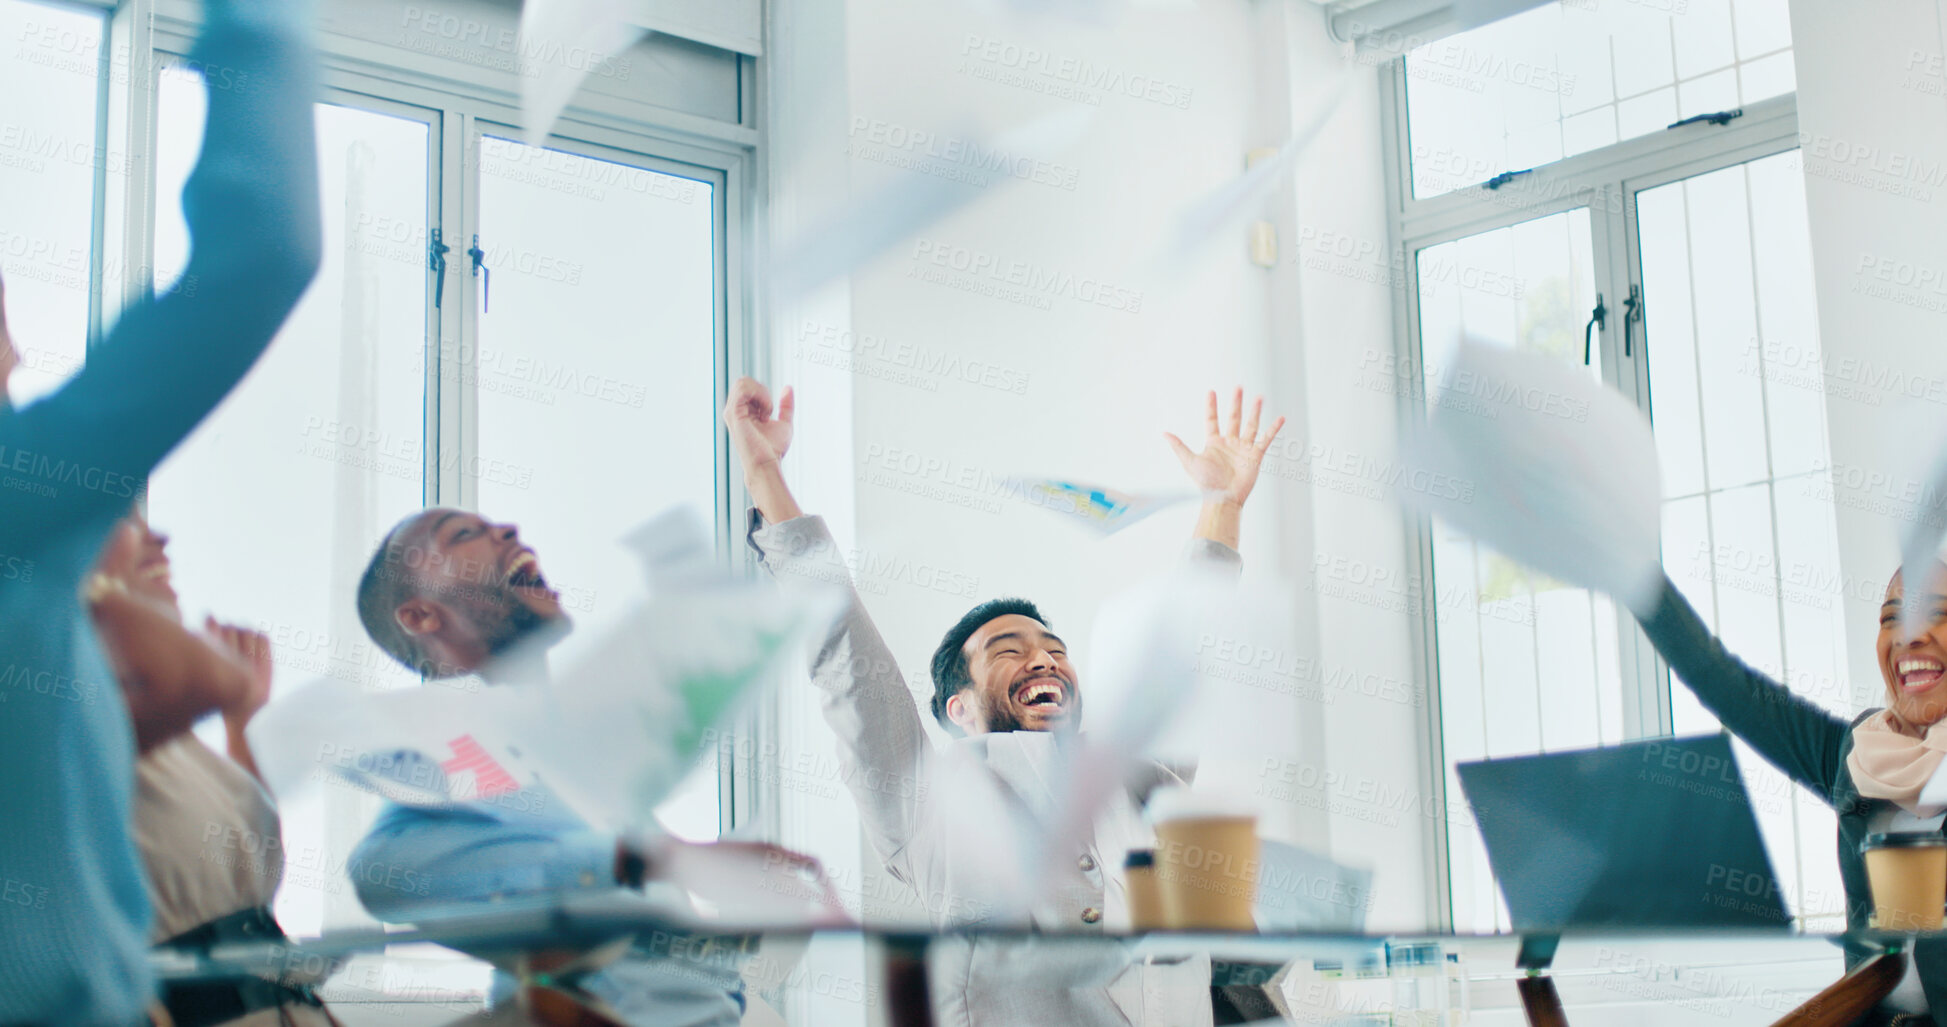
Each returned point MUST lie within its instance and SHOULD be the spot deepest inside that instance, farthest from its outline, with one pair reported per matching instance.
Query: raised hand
(760, 435)
(1227, 468)
(251, 650)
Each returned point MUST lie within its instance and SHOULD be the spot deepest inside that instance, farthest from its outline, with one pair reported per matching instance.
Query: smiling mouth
(1917, 673)
(525, 575)
(1045, 695)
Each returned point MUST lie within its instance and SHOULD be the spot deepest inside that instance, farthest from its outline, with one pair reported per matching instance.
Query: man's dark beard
(522, 625)
(1005, 719)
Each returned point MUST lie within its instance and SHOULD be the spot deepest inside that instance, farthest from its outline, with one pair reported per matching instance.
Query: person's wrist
(762, 469)
(631, 868)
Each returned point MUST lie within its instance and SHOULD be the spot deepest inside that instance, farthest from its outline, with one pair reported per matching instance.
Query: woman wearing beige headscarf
(1880, 771)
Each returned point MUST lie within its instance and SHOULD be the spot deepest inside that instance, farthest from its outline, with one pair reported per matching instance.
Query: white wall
(1085, 388)
(1375, 756)
(1872, 116)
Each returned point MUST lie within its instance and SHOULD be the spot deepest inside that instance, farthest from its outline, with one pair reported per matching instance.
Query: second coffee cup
(1206, 860)
(1908, 873)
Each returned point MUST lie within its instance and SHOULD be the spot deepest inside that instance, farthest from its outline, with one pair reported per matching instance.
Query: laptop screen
(1656, 833)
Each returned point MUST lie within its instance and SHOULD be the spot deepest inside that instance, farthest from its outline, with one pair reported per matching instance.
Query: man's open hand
(761, 436)
(1227, 467)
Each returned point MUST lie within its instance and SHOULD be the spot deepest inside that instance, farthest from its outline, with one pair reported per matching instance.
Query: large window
(50, 168)
(1526, 664)
(1568, 78)
(582, 370)
(615, 313)
(594, 372)
(276, 502)
(1697, 256)
(490, 319)
(1738, 397)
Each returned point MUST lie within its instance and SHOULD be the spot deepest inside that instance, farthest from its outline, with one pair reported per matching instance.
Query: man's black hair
(386, 584)
(950, 659)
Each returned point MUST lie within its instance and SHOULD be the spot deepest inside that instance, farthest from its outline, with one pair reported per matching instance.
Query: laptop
(1651, 834)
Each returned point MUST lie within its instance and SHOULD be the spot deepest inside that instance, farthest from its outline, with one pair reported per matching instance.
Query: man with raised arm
(1002, 686)
(74, 930)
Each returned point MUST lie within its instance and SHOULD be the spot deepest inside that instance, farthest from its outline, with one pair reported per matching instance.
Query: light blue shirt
(74, 911)
(420, 860)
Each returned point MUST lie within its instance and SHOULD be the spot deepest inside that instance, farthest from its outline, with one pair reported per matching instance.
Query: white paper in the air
(1140, 673)
(898, 205)
(1229, 206)
(612, 732)
(560, 42)
(1917, 466)
(1536, 458)
(1098, 508)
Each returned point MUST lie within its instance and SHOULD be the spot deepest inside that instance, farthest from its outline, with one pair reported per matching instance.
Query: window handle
(1598, 318)
(1632, 313)
(1719, 118)
(436, 252)
(482, 272)
(1504, 178)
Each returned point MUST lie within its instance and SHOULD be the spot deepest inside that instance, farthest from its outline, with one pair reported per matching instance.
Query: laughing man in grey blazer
(1004, 688)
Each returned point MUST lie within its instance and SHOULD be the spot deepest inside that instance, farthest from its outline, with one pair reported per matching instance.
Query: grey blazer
(1806, 742)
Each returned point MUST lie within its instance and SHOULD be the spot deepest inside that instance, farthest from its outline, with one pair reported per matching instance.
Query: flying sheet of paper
(1919, 458)
(1230, 205)
(997, 890)
(1299, 890)
(1141, 671)
(436, 745)
(752, 885)
(560, 42)
(1254, 682)
(1101, 509)
(1538, 459)
(636, 711)
(901, 204)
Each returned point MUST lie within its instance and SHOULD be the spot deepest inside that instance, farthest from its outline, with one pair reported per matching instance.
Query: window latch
(1504, 178)
(482, 272)
(1719, 118)
(1598, 318)
(1632, 314)
(436, 252)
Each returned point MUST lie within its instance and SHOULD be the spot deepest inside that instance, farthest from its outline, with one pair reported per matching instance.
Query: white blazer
(890, 768)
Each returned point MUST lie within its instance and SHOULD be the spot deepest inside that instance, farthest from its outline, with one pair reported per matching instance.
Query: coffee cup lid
(1178, 802)
(1903, 840)
(1139, 858)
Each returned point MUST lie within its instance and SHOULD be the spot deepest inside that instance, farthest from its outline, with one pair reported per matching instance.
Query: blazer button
(1091, 915)
(1087, 862)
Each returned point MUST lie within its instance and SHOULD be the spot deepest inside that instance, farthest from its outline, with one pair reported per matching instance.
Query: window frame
(456, 102)
(1606, 181)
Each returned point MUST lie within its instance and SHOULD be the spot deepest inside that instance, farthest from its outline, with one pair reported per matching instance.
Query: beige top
(212, 843)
